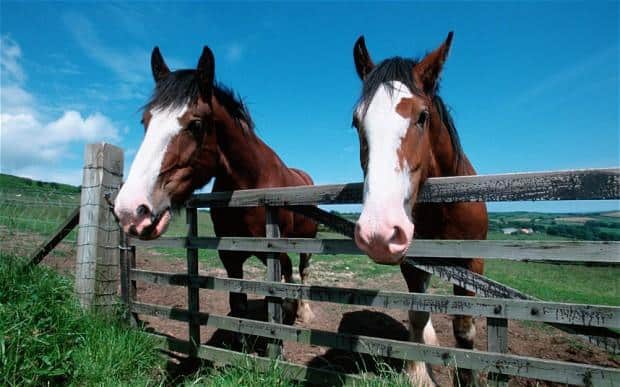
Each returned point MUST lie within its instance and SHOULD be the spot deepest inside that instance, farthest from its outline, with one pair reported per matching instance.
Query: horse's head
(179, 152)
(394, 117)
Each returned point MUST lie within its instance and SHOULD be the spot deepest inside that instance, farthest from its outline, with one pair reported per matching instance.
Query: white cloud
(571, 74)
(129, 66)
(71, 176)
(33, 145)
(9, 59)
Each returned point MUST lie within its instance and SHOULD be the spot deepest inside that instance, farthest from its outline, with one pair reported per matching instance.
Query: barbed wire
(30, 215)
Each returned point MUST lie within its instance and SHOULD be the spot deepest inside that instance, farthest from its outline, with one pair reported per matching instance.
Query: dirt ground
(524, 339)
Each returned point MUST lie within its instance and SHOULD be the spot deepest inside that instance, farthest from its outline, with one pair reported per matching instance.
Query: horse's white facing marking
(386, 183)
(146, 166)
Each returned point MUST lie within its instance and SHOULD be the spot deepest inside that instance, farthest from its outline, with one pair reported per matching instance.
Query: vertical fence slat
(97, 262)
(132, 282)
(129, 289)
(497, 341)
(192, 271)
(124, 258)
(274, 274)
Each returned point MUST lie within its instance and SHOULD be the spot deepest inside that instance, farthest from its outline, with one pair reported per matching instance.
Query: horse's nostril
(399, 236)
(142, 210)
(133, 230)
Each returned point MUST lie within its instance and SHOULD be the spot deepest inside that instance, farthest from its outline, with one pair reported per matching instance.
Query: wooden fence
(99, 252)
(496, 302)
(96, 268)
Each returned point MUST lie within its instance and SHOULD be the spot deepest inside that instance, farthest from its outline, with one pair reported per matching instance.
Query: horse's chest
(430, 221)
(238, 222)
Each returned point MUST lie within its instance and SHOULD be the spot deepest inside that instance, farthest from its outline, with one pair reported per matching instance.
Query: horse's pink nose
(137, 222)
(385, 243)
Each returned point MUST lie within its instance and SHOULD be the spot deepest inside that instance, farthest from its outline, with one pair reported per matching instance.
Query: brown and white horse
(406, 136)
(196, 130)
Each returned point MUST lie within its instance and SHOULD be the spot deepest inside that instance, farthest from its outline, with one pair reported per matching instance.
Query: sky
(532, 86)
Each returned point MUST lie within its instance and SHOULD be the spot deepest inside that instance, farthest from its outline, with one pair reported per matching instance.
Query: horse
(407, 135)
(196, 130)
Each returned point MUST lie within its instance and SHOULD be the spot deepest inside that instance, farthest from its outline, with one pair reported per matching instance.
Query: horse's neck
(244, 158)
(444, 159)
(454, 220)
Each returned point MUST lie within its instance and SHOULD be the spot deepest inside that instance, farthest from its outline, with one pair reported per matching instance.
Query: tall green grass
(248, 374)
(46, 339)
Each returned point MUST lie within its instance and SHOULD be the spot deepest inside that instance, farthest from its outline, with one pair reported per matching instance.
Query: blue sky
(532, 86)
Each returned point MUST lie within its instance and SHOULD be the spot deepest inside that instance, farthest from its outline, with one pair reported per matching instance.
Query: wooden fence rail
(555, 312)
(577, 251)
(584, 184)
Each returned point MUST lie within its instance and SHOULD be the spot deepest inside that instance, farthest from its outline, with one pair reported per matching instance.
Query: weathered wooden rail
(498, 302)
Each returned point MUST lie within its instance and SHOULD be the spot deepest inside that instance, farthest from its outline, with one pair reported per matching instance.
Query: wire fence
(30, 215)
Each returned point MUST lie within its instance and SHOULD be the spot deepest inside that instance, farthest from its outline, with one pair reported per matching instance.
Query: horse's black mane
(181, 87)
(401, 70)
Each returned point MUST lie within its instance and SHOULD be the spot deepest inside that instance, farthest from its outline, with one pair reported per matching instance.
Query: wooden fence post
(128, 285)
(193, 292)
(274, 274)
(497, 341)
(97, 264)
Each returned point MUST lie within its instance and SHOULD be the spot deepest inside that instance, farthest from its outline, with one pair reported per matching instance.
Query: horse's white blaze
(387, 184)
(145, 169)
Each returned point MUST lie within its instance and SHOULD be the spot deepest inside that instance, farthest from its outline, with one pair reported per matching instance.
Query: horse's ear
(363, 63)
(158, 66)
(205, 73)
(426, 72)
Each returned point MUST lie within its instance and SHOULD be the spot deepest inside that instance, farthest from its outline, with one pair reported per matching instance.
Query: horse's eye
(422, 118)
(194, 126)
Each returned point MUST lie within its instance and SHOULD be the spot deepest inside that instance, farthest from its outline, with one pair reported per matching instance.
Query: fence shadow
(257, 310)
(366, 323)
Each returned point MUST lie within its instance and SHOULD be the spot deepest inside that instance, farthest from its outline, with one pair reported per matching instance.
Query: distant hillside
(15, 183)
(594, 226)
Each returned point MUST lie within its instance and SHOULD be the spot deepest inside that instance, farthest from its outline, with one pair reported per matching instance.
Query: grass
(45, 338)
(563, 283)
(247, 373)
(242, 373)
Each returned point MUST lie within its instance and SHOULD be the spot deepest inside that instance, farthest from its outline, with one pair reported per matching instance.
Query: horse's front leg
(289, 306)
(233, 263)
(420, 326)
(464, 327)
(304, 313)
